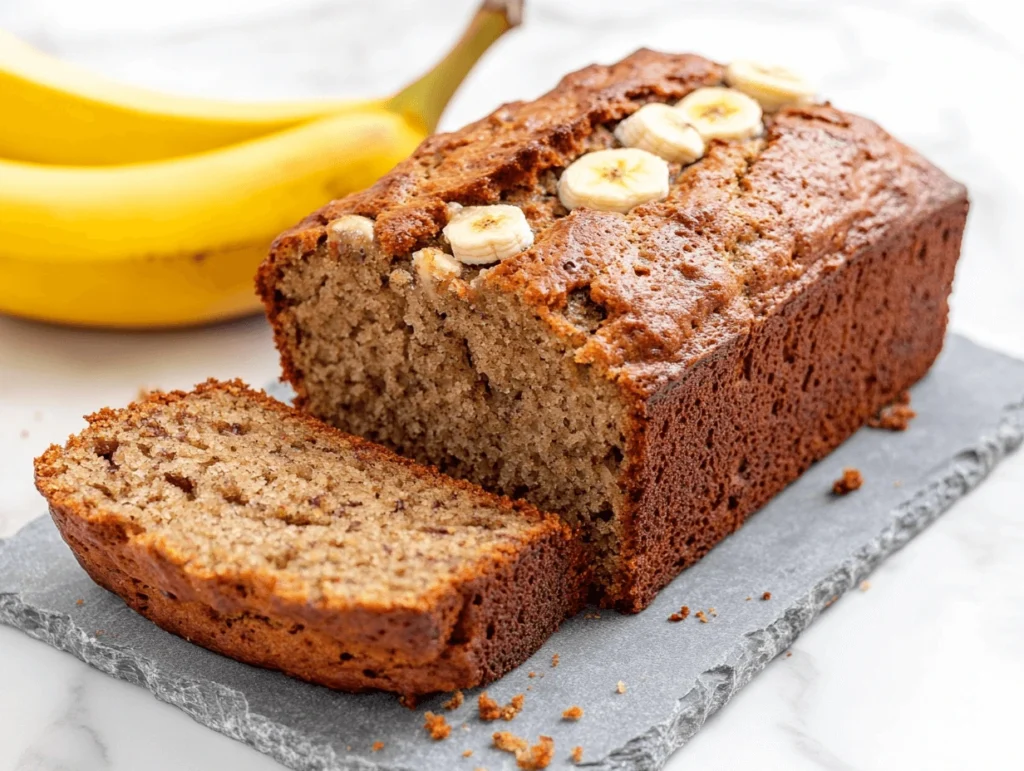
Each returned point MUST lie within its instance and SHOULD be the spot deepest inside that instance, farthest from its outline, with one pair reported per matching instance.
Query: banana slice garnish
(613, 180)
(721, 113)
(662, 130)
(480, 235)
(774, 87)
(432, 264)
(351, 227)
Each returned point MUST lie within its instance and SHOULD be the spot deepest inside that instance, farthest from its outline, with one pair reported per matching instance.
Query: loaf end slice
(236, 522)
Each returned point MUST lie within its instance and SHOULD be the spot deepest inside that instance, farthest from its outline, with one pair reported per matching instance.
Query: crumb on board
(79, 601)
(528, 758)
(789, 654)
(865, 585)
(766, 596)
(377, 747)
(490, 710)
(537, 757)
(574, 712)
(701, 617)
(831, 601)
(554, 660)
(713, 612)
(591, 614)
(436, 726)
(749, 599)
(577, 754)
(681, 615)
(467, 753)
(620, 687)
(508, 741)
(850, 480)
(454, 702)
(895, 416)
(531, 675)
(514, 707)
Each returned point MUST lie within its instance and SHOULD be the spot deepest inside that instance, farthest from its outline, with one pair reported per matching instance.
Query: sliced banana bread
(708, 282)
(231, 520)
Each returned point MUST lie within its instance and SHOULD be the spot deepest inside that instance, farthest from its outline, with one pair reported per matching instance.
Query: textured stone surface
(806, 548)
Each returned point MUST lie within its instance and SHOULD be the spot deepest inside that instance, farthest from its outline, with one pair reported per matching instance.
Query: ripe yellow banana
(57, 113)
(177, 241)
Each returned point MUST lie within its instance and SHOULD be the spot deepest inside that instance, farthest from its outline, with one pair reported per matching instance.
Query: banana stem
(425, 99)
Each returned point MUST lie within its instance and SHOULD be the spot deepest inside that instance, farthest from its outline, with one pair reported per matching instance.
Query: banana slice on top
(480, 235)
(774, 87)
(662, 130)
(721, 113)
(351, 227)
(613, 180)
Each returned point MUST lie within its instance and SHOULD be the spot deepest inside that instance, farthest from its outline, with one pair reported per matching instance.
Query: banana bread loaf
(689, 306)
(233, 521)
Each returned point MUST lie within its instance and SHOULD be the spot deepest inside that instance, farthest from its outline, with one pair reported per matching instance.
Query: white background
(923, 671)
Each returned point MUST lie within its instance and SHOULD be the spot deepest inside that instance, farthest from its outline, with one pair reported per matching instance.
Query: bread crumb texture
(573, 713)
(620, 687)
(508, 742)
(377, 747)
(436, 726)
(683, 613)
(577, 754)
(454, 702)
(895, 416)
(490, 710)
(850, 480)
(528, 758)
(766, 596)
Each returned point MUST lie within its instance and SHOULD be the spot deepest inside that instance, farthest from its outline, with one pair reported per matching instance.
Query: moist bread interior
(241, 491)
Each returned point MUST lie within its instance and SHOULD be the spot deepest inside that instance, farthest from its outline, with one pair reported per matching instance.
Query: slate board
(806, 547)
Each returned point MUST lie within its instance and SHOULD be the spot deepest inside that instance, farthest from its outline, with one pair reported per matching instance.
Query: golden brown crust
(671, 279)
(448, 640)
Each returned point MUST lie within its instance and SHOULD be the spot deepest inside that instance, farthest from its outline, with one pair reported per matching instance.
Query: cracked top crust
(741, 229)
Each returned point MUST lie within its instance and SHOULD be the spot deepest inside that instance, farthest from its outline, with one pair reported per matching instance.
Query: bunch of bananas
(124, 208)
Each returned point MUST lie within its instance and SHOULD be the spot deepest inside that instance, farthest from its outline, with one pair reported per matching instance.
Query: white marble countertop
(922, 671)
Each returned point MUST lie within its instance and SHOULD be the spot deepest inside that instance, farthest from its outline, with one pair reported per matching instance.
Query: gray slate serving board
(806, 547)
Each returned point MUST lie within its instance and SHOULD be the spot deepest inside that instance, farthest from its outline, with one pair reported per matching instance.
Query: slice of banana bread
(702, 301)
(231, 520)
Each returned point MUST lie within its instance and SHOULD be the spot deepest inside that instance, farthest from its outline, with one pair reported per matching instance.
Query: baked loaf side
(235, 522)
(656, 375)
